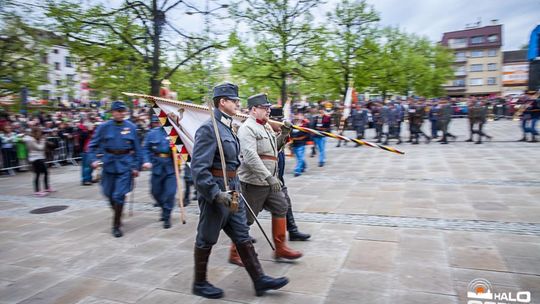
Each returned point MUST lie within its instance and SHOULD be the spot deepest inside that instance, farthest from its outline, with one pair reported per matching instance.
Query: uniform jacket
(205, 156)
(116, 136)
(157, 141)
(359, 118)
(255, 140)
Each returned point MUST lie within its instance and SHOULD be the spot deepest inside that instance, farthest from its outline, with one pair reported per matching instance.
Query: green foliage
(129, 48)
(21, 48)
(281, 45)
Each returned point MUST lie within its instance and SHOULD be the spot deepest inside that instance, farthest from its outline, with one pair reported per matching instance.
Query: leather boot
(294, 234)
(201, 287)
(234, 258)
(261, 282)
(117, 222)
(533, 139)
(524, 138)
(278, 233)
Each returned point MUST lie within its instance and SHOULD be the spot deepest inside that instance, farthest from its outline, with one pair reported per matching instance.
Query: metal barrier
(63, 152)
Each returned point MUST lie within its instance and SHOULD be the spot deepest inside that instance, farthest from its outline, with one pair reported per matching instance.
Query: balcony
(460, 73)
(460, 59)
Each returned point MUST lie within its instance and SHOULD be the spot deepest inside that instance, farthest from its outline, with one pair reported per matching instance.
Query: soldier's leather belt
(268, 157)
(118, 152)
(219, 173)
(164, 155)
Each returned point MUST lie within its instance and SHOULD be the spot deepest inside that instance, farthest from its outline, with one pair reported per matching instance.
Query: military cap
(118, 106)
(228, 90)
(258, 100)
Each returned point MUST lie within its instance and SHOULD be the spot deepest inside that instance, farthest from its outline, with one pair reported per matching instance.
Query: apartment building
(515, 76)
(478, 61)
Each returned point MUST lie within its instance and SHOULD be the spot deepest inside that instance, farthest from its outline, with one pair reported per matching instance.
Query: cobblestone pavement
(386, 228)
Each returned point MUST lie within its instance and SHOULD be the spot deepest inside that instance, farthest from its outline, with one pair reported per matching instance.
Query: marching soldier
(217, 207)
(122, 159)
(445, 117)
(393, 124)
(416, 119)
(477, 116)
(359, 118)
(259, 172)
(158, 157)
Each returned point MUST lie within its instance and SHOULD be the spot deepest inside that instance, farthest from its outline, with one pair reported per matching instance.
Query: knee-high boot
(117, 220)
(278, 233)
(261, 282)
(201, 287)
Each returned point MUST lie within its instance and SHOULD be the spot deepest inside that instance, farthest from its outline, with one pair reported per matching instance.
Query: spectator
(36, 146)
(9, 139)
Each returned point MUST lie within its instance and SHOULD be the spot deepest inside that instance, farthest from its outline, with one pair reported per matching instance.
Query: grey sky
(431, 18)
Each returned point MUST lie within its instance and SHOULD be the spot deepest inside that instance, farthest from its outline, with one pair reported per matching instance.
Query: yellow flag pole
(178, 163)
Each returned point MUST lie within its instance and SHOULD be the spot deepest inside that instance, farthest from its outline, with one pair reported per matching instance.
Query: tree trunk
(283, 88)
(155, 82)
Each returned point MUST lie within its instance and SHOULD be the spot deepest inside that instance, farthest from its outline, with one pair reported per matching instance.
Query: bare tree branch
(191, 56)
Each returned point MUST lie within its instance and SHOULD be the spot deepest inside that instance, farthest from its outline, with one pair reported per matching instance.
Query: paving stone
(476, 258)
(431, 279)
(66, 292)
(127, 293)
(30, 285)
(159, 296)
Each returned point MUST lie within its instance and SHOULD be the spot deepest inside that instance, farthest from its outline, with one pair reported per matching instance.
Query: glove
(223, 198)
(275, 184)
(286, 128)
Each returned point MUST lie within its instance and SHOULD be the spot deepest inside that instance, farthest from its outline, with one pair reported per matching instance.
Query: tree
(137, 35)
(282, 42)
(402, 63)
(353, 24)
(21, 50)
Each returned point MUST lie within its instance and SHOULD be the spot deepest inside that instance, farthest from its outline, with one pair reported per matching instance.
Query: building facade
(478, 61)
(64, 83)
(515, 72)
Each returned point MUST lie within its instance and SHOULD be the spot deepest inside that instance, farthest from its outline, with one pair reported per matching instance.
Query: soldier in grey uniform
(259, 172)
(215, 204)
(416, 119)
(393, 123)
(359, 119)
(477, 116)
(445, 117)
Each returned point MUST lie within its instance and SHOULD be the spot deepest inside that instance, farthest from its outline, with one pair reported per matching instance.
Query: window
(59, 82)
(492, 66)
(55, 51)
(476, 54)
(460, 56)
(459, 83)
(70, 79)
(477, 67)
(44, 59)
(475, 81)
(68, 61)
(492, 53)
(492, 80)
(457, 42)
(492, 38)
(57, 66)
(477, 40)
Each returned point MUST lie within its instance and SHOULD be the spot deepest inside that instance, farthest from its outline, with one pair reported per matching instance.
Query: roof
(473, 32)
